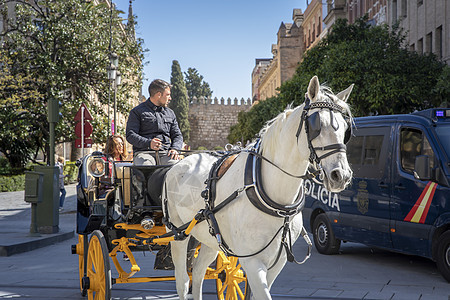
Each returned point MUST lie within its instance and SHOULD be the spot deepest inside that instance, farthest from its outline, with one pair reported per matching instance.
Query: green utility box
(34, 185)
(47, 211)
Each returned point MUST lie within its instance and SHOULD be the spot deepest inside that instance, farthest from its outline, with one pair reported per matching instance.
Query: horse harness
(255, 192)
(313, 128)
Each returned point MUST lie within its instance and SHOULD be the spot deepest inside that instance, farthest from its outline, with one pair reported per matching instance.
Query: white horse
(245, 228)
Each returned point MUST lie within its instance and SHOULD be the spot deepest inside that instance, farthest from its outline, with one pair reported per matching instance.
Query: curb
(32, 245)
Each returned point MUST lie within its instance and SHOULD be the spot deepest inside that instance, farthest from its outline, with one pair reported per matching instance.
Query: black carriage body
(125, 194)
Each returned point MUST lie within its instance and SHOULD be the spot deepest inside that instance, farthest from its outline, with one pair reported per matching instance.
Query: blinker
(314, 126)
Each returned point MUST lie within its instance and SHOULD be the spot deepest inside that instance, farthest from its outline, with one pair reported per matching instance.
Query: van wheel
(443, 255)
(324, 239)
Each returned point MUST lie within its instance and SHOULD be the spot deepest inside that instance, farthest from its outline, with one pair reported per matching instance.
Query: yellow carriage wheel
(98, 283)
(231, 282)
(81, 250)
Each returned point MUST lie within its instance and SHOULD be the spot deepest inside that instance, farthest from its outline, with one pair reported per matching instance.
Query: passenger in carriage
(116, 148)
(152, 128)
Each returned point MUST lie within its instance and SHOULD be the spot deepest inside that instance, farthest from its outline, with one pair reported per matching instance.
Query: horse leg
(273, 273)
(179, 255)
(257, 278)
(205, 257)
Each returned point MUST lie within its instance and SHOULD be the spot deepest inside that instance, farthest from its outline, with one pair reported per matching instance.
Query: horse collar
(257, 195)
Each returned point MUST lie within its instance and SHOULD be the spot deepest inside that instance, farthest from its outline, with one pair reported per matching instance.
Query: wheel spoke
(222, 289)
(238, 289)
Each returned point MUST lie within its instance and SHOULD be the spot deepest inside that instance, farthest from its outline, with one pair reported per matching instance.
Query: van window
(366, 151)
(354, 150)
(443, 133)
(413, 143)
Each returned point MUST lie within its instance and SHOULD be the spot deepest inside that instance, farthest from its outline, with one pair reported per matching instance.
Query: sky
(219, 38)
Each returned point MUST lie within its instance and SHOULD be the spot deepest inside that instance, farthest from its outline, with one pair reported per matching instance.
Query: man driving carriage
(152, 128)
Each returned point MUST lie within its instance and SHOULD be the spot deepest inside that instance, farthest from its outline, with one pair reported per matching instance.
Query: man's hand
(155, 144)
(173, 154)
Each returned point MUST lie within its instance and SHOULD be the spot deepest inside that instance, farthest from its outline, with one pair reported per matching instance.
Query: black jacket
(147, 121)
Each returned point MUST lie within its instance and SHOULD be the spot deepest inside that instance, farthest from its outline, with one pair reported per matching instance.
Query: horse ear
(345, 93)
(313, 88)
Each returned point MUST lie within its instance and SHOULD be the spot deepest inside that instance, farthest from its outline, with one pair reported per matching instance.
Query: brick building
(287, 53)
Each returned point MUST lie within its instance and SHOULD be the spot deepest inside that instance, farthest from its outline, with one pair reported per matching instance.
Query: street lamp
(117, 82)
(111, 77)
(112, 74)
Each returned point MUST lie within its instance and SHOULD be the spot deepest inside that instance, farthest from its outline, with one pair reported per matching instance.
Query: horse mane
(274, 125)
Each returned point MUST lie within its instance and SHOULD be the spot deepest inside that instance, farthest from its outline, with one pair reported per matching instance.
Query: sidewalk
(15, 221)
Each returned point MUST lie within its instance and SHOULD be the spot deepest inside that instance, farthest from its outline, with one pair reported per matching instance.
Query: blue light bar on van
(442, 113)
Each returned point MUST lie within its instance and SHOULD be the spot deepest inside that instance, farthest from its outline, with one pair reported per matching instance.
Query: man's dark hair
(157, 85)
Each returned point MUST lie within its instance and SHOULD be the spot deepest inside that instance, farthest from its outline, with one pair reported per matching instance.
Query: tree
(250, 123)
(195, 85)
(65, 44)
(19, 138)
(180, 101)
(388, 78)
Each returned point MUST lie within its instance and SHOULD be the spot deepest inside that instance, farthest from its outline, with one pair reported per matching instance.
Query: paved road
(358, 272)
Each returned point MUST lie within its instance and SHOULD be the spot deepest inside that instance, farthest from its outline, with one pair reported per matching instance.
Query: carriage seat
(124, 174)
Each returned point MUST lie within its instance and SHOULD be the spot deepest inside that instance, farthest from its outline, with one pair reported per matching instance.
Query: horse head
(327, 121)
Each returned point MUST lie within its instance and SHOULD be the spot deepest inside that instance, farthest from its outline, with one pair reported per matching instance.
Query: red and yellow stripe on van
(419, 212)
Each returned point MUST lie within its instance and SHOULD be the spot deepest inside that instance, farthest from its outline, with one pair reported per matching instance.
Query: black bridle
(313, 128)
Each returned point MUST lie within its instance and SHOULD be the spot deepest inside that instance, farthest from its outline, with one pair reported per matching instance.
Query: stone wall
(211, 119)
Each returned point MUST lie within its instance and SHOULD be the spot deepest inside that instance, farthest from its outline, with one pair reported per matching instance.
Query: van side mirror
(422, 169)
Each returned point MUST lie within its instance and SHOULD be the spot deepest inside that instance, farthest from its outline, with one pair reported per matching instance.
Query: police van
(399, 198)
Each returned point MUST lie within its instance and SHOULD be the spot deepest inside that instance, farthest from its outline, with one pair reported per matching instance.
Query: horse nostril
(336, 175)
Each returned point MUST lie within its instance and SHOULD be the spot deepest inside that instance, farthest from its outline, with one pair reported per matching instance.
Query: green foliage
(202, 148)
(63, 46)
(442, 88)
(71, 170)
(12, 183)
(251, 122)
(4, 166)
(21, 115)
(195, 85)
(180, 102)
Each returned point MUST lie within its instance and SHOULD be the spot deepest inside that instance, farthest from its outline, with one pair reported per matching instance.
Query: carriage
(119, 210)
(246, 214)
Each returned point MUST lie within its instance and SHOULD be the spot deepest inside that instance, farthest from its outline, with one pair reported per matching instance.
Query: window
(404, 9)
(438, 42)
(413, 143)
(394, 11)
(372, 149)
(420, 46)
(354, 150)
(428, 43)
(367, 151)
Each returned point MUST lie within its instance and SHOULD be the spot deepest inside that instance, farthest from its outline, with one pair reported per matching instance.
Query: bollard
(33, 194)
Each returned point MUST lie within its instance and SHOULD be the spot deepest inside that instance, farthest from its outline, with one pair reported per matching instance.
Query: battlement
(221, 101)
(210, 120)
